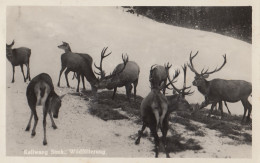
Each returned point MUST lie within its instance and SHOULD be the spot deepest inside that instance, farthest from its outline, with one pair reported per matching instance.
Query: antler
(102, 73)
(216, 69)
(125, 60)
(202, 71)
(184, 83)
(191, 64)
(167, 66)
(180, 91)
(171, 81)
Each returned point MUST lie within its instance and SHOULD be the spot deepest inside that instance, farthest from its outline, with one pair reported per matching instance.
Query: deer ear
(206, 76)
(61, 96)
(12, 43)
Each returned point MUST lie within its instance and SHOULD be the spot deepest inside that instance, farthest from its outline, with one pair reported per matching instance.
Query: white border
(255, 72)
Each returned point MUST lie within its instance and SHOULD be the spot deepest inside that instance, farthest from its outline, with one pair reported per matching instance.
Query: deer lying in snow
(218, 90)
(19, 56)
(40, 91)
(124, 74)
(68, 61)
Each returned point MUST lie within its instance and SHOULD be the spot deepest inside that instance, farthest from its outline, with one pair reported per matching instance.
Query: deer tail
(42, 92)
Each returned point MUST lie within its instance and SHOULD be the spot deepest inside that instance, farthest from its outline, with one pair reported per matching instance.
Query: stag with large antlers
(19, 57)
(154, 112)
(218, 90)
(125, 74)
(156, 107)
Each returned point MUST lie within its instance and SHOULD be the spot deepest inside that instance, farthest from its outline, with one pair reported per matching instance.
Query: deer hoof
(27, 128)
(44, 142)
(12, 81)
(33, 134)
(54, 127)
(137, 141)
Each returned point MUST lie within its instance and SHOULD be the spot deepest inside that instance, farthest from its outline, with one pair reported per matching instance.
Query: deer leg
(78, 78)
(66, 77)
(35, 121)
(221, 108)
(28, 71)
(212, 107)
(227, 107)
(29, 123)
(204, 104)
(249, 107)
(245, 109)
(21, 65)
(164, 107)
(157, 117)
(114, 93)
(61, 71)
(156, 140)
(52, 121)
(128, 89)
(164, 130)
(135, 85)
(83, 81)
(13, 74)
(140, 133)
(44, 125)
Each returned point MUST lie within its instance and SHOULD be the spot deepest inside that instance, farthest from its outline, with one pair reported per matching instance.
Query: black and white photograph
(129, 81)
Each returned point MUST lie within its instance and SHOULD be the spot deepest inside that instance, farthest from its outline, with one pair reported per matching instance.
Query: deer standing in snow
(40, 92)
(19, 57)
(69, 61)
(218, 90)
(124, 74)
(156, 107)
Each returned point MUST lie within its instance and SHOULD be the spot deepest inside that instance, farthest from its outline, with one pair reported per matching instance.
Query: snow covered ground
(88, 30)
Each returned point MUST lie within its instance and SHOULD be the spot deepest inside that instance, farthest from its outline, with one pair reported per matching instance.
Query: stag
(40, 91)
(154, 112)
(158, 75)
(156, 108)
(125, 74)
(218, 90)
(75, 62)
(19, 56)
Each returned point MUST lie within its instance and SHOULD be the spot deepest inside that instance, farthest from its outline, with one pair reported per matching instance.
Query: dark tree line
(231, 21)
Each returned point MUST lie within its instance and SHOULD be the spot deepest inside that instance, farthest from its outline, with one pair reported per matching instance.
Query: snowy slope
(89, 29)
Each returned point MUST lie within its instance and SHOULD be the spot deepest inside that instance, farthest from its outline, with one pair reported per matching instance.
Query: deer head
(110, 80)
(55, 104)
(9, 53)
(65, 46)
(200, 78)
